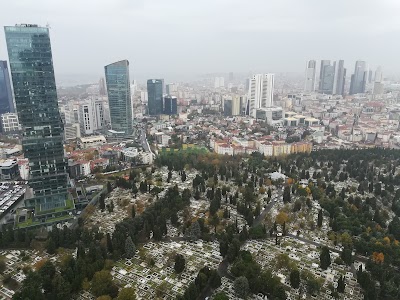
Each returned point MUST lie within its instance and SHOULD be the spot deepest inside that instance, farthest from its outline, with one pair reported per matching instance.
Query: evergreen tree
(102, 204)
(286, 194)
(325, 258)
(109, 243)
(133, 211)
(179, 263)
(295, 278)
(320, 218)
(129, 247)
(341, 285)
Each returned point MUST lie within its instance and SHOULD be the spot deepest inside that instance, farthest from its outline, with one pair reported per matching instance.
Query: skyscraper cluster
(331, 77)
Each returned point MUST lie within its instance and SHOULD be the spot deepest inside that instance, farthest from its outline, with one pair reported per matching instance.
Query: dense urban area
(230, 186)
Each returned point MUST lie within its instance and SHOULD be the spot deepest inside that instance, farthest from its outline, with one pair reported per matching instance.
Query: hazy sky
(176, 37)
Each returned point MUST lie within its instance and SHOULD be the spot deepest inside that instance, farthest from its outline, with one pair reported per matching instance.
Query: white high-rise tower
(261, 92)
(311, 67)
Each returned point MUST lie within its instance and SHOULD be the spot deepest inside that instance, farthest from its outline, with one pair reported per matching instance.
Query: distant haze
(179, 39)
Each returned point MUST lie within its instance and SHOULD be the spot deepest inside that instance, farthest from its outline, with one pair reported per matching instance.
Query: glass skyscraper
(170, 105)
(32, 73)
(6, 99)
(359, 78)
(155, 96)
(119, 96)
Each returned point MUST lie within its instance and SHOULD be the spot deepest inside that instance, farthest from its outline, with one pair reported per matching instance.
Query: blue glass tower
(6, 99)
(32, 73)
(170, 105)
(155, 96)
(119, 96)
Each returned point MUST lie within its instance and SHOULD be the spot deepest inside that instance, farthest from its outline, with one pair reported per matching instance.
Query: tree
(129, 247)
(102, 284)
(282, 217)
(109, 243)
(51, 246)
(269, 193)
(319, 222)
(295, 278)
(241, 286)
(325, 258)
(3, 265)
(286, 194)
(31, 288)
(341, 285)
(347, 256)
(109, 187)
(102, 204)
(61, 289)
(215, 279)
(179, 263)
(126, 294)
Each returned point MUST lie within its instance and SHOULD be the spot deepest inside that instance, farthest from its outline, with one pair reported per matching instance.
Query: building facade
(261, 92)
(32, 73)
(311, 68)
(91, 116)
(170, 105)
(359, 78)
(327, 73)
(119, 96)
(6, 98)
(10, 123)
(155, 96)
(340, 78)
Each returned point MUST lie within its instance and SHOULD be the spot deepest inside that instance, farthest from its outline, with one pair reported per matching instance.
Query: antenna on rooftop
(48, 25)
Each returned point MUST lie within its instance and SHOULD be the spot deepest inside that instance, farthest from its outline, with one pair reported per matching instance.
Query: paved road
(143, 140)
(267, 209)
(357, 257)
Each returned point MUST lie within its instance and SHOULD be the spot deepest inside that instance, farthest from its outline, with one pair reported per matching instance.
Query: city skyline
(186, 60)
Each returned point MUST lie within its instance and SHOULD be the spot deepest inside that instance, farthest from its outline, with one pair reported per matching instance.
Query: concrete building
(91, 116)
(72, 131)
(10, 123)
(261, 93)
(91, 141)
(272, 115)
(9, 169)
(219, 82)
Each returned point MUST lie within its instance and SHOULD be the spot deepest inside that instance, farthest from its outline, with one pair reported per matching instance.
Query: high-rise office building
(102, 87)
(378, 82)
(359, 78)
(6, 98)
(32, 73)
(261, 92)
(119, 96)
(324, 63)
(155, 96)
(227, 107)
(340, 78)
(327, 74)
(311, 68)
(170, 105)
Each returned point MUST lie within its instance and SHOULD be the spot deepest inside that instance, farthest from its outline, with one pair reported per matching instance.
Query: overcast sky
(178, 37)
